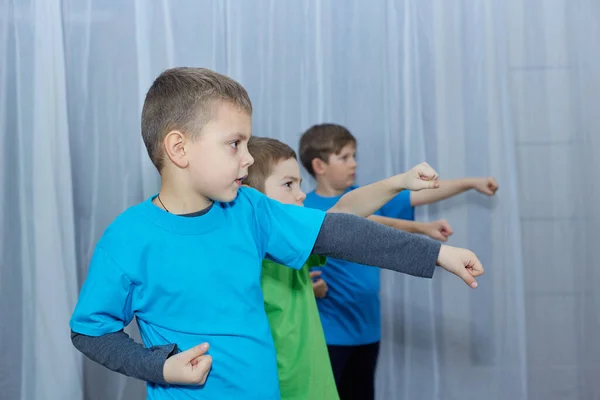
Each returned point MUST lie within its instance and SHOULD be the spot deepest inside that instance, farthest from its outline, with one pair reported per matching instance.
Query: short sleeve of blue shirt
(104, 304)
(287, 233)
(399, 207)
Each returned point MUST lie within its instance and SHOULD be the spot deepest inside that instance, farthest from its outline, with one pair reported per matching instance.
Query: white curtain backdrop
(476, 88)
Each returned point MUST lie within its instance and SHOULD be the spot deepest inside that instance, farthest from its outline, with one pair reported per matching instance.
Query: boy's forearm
(352, 238)
(397, 223)
(364, 201)
(120, 353)
(447, 189)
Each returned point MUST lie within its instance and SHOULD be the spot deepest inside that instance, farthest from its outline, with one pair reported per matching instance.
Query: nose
(301, 196)
(353, 162)
(248, 160)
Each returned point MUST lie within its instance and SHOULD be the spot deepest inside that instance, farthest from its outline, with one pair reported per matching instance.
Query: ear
(318, 166)
(174, 143)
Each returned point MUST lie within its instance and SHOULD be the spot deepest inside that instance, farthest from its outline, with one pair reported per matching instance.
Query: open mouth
(239, 181)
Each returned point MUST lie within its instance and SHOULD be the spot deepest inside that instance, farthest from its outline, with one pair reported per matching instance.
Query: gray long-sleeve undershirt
(342, 236)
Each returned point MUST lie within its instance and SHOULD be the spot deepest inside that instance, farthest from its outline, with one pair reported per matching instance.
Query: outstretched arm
(438, 230)
(365, 200)
(449, 188)
(380, 246)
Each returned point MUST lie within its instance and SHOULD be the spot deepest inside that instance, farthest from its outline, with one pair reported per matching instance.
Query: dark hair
(182, 98)
(321, 141)
(267, 153)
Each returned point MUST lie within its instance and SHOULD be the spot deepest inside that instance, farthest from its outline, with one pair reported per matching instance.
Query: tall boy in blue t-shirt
(350, 312)
(186, 263)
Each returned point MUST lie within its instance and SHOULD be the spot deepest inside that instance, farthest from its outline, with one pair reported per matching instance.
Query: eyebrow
(239, 136)
(292, 178)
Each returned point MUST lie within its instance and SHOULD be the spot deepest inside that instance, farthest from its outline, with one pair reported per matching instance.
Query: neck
(177, 200)
(326, 190)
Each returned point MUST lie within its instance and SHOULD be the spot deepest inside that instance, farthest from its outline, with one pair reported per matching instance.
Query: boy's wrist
(420, 227)
(470, 183)
(399, 182)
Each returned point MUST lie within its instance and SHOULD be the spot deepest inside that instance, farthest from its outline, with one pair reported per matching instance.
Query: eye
(288, 184)
(235, 144)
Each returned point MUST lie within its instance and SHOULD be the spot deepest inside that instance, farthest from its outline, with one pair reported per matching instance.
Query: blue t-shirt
(350, 313)
(194, 280)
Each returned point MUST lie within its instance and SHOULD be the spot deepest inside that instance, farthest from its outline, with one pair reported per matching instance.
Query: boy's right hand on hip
(461, 262)
(190, 367)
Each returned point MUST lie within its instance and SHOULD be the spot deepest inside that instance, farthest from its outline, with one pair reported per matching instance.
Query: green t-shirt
(302, 358)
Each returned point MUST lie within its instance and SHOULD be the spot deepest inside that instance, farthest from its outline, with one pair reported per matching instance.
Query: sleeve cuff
(156, 362)
(432, 252)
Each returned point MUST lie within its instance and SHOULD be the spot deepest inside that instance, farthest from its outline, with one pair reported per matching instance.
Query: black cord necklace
(161, 203)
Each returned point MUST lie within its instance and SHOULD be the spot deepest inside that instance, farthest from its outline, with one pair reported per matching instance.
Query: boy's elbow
(81, 342)
(76, 339)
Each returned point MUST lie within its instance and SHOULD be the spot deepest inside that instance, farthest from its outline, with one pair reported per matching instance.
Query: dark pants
(354, 370)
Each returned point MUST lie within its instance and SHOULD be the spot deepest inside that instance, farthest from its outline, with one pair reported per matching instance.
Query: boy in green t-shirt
(302, 359)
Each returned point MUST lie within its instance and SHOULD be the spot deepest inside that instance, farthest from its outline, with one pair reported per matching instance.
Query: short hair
(182, 98)
(267, 153)
(320, 141)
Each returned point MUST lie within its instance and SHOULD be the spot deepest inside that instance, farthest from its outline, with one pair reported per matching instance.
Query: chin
(345, 186)
(227, 197)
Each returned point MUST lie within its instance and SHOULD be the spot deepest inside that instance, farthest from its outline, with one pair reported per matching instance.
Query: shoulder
(312, 193)
(251, 198)
(249, 202)
(128, 227)
(403, 198)
(250, 195)
(311, 197)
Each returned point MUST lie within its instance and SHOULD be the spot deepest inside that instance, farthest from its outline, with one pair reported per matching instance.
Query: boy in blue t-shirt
(186, 263)
(350, 312)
